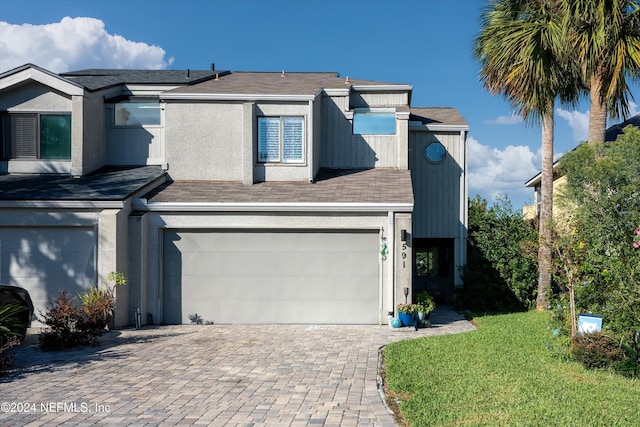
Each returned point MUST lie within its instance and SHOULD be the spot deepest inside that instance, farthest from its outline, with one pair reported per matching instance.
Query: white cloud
(578, 122)
(493, 171)
(73, 44)
(513, 119)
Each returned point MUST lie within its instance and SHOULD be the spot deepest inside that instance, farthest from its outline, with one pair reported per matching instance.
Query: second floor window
(137, 114)
(374, 123)
(36, 136)
(281, 139)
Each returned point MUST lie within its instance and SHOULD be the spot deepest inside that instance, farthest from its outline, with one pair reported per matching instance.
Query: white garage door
(46, 260)
(270, 277)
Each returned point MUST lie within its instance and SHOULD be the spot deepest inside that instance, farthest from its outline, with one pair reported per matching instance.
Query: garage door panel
(271, 277)
(46, 260)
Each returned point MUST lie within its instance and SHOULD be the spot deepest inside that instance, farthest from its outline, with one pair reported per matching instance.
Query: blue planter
(406, 319)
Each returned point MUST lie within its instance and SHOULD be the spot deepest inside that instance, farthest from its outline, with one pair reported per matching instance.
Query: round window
(435, 152)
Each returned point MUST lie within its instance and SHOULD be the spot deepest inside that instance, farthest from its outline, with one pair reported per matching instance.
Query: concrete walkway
(218, 375)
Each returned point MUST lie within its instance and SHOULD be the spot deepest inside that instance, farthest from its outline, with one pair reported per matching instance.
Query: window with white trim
(368, 122)
(129, 113)
(36, 136)
(281, 139)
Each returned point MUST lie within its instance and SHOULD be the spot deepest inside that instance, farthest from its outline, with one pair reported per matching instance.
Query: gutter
(235, 97)
(437, 127)
(63, 204)
(144, 205)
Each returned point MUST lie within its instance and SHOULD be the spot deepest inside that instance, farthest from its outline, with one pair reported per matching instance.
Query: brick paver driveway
(280, 375)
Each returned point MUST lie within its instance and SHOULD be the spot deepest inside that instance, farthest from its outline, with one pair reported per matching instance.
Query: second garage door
(270, 277)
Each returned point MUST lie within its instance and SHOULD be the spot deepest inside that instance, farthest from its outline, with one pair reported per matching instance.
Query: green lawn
(504, 374)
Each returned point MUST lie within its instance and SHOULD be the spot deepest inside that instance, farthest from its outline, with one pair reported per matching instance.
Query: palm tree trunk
(546, 212)
(598, 112)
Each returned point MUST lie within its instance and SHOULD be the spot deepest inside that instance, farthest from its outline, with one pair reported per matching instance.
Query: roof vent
(188, 73)
(346, 81)
(283, 74)
(217, 76)
(213, 66)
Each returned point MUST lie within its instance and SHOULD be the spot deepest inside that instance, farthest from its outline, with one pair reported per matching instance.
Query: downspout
(464, 209)
(391, 261)
(311, 165)
(380, 277)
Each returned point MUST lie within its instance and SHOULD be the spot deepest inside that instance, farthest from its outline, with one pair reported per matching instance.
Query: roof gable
(33, 72)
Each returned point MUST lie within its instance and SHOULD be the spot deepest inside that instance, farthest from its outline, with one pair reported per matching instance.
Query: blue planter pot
(406, 319)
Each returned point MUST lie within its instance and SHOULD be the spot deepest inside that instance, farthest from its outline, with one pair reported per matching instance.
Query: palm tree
(606, 37)
(523, 53)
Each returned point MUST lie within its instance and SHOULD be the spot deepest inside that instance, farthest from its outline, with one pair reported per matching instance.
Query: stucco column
(77, 135)
(403, 256)
(402, 136)
(248, 136)
(113, 257)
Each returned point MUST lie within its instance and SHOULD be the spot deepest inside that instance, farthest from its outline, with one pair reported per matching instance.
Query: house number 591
(404, 255)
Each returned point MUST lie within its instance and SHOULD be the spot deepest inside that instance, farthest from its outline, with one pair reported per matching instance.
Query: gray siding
(390, 99)
(343, 150)
(436, 187)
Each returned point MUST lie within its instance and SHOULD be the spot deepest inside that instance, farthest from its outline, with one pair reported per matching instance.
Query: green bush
(598, 350)
(501, 271)
(602, 196)
(12, 321)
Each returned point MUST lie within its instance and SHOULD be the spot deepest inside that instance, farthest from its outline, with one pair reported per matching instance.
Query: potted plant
(406, 313)
(426, 301)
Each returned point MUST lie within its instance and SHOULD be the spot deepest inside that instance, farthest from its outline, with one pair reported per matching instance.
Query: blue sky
(427, 44)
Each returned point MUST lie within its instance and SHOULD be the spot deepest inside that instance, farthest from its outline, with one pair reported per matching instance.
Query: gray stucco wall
(34, 97)
(204, 140)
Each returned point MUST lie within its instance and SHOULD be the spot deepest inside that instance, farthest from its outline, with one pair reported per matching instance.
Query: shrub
(501, 270)
(82, 322)
(12, 322)
(6, 360)
(64, 317)
(597, 350)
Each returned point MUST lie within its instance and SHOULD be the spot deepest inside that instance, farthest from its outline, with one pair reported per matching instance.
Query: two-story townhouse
(242, 197)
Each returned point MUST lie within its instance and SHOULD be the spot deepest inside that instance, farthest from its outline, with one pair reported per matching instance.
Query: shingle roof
(332, 186)
(437, 115)
(94, 79)
(106, 184)
(612, 132)
(291, 83)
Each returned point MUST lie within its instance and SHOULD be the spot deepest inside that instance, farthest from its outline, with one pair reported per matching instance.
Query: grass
(504, 374)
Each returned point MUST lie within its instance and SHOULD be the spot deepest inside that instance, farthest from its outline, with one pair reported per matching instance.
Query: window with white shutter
(281, 140)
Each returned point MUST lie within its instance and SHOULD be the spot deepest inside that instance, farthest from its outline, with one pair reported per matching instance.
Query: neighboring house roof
(368, 186)
(611, 134)
(95, 79)
(281, 83)
(438, 117)
(106, 184)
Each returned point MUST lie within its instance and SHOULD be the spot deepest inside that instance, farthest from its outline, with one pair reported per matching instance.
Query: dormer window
(281, 139)
(36, 136)
(374, 122)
